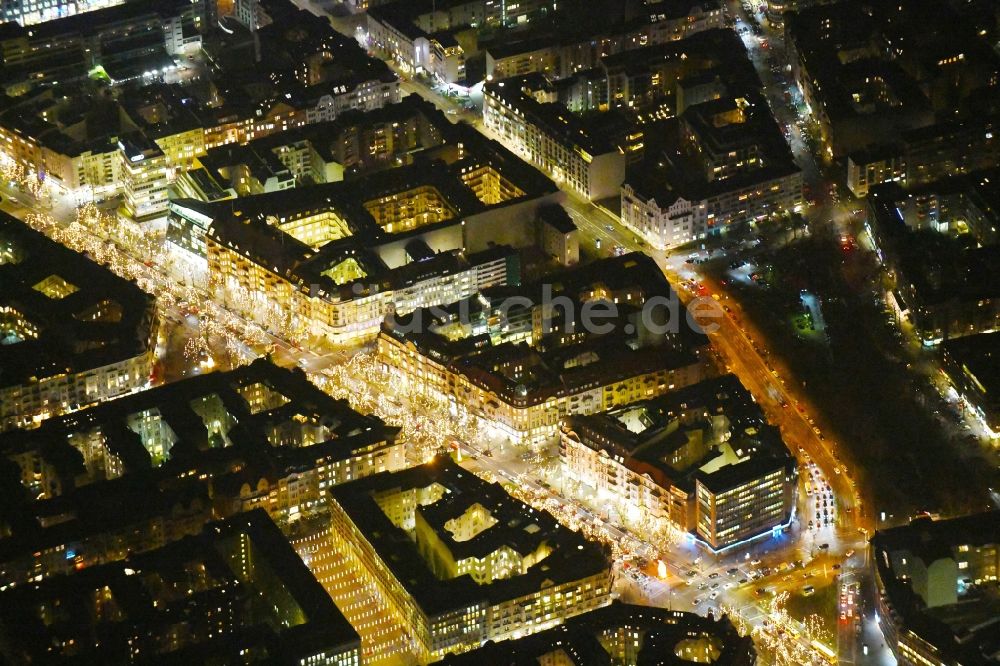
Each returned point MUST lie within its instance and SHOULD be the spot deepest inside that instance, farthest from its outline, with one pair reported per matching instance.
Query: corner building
(458, 561)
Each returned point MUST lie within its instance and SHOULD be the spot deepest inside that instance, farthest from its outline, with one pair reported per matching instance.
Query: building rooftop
(430, 128)
(237, 588)
(557, 218)
(366, 224)
(522, 92)
(308, 65)
(979, 358)
(62, 313)
(257, 420)
(701, 130)
(663, 636)
(965, 632)
(156, 464)
(401, 16)
(947, 250)
(717, 51)
(671, 169)
(568, 357)
(603, 20)
(99, 20)
(712, 431)
(454, 491)
(841, 47)
(305, 61)
(70, 123)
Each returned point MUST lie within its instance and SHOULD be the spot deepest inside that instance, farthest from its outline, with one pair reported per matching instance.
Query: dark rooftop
(195, 600)
(551, 368)
(572, 556)
(518, 92)
(214, 419)
(900, 46)
(979, 356)
(73, 314)
(673, 437)
(943, 267)
(971, 640)
(579, 638)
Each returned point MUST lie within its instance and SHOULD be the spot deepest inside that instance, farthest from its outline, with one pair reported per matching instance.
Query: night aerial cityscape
(500, 332)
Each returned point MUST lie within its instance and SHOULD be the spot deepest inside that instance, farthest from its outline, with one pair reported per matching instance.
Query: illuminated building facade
(665, 219)
(623, 634)
(973, 366)
(133, 146)
(68, 49)
(524, 113)
(334, 259)
(927, 154)
(866, 169)
(662, 80)
(144, 176)
(453, 14)
(701, 458)
(354, 144)
(938, 243)
(745, 500)
(926, 576)
(31, 12)
(137, 142)
(72, 333)
(235, 591)
(391, 29)
(685, 138)
(458, 561)
(209, 446)
(526, 359)
(719, 163)
(572, 50)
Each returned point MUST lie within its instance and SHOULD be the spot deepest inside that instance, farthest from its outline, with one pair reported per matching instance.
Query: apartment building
(76, 141)
(243, 590)
(529, 358)
(567, 48)
(525, 114)
(701, 458)
(458, 562)
(334, 259)
(927, 575)
(713, 156)
(74, 333)
(626, 634)
(939, 242)
(210, 446)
